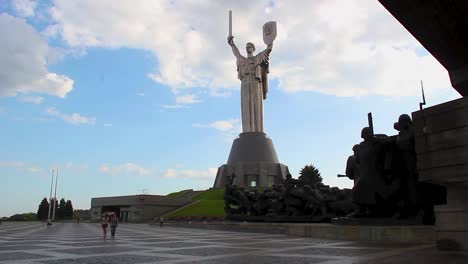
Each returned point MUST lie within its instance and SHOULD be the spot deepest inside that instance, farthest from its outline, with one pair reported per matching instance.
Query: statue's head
(250, 47)
(404, 121)
(366, 133)
(356, 149)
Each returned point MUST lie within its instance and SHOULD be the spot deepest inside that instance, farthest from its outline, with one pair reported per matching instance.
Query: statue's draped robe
(252, 72)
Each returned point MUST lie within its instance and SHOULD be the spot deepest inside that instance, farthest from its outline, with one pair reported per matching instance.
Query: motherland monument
(252, 160)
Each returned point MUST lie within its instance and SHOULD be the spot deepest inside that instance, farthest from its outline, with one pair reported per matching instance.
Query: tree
(68, 212)
(23, 217)
(310, 176)
(43, 210)
(61, 209)
(82, 214)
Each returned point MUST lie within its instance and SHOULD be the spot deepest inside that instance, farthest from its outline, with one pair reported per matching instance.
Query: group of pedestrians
(111, 220)
(107, 220)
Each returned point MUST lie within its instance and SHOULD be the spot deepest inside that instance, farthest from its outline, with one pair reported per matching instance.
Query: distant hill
(21, 217)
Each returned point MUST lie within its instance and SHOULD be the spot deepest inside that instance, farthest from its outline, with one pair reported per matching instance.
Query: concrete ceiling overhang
(441, 26)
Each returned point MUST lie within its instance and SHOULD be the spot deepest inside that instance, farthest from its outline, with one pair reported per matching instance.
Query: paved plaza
(143, 243)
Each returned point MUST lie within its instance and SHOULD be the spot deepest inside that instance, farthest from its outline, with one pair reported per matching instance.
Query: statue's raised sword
(230, 23)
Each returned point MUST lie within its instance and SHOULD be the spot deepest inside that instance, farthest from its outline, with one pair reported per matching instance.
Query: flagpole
(55, 197)
(50, 195)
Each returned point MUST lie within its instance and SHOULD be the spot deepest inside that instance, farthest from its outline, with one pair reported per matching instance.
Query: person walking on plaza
(113, 224)
(49, 223)
(104, 223)
(161, 221)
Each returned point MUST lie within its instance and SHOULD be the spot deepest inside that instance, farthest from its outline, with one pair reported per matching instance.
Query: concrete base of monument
(441, 137)
(370, 221)
(452, 219)
(254, 161)
(280, 219)
(401, 234)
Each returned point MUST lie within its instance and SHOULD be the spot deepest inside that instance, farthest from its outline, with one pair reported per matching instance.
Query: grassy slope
(211, 203)
(175, 194)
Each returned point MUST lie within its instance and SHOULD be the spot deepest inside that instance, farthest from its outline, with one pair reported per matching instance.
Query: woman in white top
(104, 223)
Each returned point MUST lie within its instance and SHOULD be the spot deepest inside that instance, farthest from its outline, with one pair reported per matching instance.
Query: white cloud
(53, 84)
(208, 174)
(69, 167)
(187, 99)
(130, 168)
(32, 99)
(182, 101)
(23, 59)
(21, 166)
(345, 48)
(173, 106)
(34, 170)
(42, 119)
(75, 118)
(225, 125)
(229, 125)
(25, 8)
(140, 94)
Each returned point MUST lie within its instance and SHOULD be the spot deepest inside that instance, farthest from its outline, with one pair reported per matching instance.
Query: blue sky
(124, 96)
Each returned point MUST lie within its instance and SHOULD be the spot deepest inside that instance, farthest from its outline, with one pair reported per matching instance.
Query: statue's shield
(269, 32)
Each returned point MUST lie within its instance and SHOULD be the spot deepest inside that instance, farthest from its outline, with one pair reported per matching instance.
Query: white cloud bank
(75, 118)
(208, 174)
(345, 48)
(24, 8)
(229, 128)
(229, 125)
(32, 99)
(128, 167)
(182, 101)
(21, 166)
(23, 59)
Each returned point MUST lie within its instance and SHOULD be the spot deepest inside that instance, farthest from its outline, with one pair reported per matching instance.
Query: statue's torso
(248, 67)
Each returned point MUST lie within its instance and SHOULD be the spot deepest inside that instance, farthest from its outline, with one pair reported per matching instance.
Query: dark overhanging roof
(441, 26)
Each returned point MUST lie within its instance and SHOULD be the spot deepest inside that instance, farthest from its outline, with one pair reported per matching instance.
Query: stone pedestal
(254, 161)
(452, 219)
(442, 148)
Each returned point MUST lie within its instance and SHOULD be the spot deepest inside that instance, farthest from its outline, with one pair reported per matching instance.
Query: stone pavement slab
(33, 243)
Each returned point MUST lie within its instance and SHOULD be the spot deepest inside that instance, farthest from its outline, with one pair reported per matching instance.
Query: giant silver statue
(252, 71)
(253, 156)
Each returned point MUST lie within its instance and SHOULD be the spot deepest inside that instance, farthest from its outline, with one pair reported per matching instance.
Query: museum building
(138, 208)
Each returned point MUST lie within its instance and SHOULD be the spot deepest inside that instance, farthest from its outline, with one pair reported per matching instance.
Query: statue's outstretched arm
(235, 50)
(265, 54)
(269, 48)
